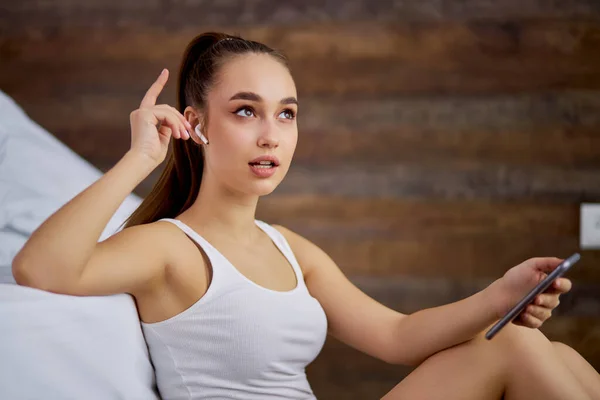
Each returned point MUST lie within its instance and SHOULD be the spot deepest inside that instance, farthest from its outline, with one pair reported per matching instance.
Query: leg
(469, 370)
(587, 376)
(519, 363)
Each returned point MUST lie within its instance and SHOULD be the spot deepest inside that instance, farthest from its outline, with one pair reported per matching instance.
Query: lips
(264, 159)
(262, 170)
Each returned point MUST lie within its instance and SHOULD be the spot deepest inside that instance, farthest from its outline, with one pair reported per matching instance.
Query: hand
(507, 291)
(153, 125)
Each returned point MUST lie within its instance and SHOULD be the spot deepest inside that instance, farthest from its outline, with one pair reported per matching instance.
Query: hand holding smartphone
(541, 287)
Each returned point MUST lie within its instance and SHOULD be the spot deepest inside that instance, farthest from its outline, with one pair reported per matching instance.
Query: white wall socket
(589, 237)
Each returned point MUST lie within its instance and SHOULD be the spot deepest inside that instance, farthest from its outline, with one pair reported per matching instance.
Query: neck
(223, 214)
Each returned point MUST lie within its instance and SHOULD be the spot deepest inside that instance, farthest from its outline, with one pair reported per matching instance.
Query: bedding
(63, 347)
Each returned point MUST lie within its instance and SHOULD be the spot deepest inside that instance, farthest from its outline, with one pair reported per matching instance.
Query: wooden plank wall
(441, 142)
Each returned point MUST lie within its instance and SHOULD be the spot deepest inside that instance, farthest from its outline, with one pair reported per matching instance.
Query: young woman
(235, 308)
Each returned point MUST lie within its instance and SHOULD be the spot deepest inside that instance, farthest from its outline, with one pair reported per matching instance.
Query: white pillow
(56, 346)
(38, 175)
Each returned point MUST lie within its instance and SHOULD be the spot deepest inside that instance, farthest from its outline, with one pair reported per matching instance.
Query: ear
(194, 117)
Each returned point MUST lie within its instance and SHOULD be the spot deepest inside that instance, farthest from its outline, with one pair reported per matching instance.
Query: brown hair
(179, 184)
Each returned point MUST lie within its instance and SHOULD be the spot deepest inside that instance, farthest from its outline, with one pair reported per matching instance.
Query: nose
(268, 137)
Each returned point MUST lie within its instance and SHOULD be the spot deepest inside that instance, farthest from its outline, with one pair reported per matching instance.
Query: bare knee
(512, 338)
(474, 369)
(489, 363)
(520, 337)
(512, 347)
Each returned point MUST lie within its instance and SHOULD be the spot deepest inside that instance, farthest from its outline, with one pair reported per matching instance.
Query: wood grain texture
(437, 238)
(448, 181)
(409, 294)
(543, 147)
(175, 13)
(494, 114)
(453, 44)
(339, 59)
(556, 146)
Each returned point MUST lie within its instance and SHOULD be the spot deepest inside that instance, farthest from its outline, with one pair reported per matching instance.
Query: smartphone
(542, 286)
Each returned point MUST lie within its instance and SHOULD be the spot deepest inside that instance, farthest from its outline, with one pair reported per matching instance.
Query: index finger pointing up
(152, 94)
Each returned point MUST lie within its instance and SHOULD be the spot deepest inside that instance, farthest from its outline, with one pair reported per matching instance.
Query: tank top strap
(206, 246)
(219, 264)
(284, 246)
(222, 266)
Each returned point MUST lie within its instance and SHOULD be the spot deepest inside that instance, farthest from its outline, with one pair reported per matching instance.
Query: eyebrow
(251, 96)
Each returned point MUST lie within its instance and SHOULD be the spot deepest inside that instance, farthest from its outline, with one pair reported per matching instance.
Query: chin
(264, 188)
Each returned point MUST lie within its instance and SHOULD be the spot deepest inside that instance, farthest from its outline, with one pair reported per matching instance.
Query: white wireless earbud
(202, 137)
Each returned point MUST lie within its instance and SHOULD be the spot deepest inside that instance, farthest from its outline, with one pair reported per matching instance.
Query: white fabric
(38, 175)
(240, 340)
(63, 347)
(56, 346)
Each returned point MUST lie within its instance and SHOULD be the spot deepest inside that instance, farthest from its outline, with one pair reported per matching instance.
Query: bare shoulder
(306, 252)
(179, 247)
(153, 238)
(135, 260)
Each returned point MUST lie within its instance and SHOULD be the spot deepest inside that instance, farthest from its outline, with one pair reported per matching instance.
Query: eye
(244, 111)
(289, 113)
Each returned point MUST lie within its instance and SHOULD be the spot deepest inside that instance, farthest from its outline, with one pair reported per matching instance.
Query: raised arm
(64, 250)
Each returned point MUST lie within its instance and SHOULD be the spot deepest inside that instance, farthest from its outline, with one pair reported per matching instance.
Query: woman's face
(251, 113)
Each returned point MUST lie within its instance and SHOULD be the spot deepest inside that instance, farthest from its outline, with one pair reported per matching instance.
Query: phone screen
(543, 285)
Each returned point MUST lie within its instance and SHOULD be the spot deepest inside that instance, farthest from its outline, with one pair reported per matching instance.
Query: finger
(168, 130)
(168, 119)
(530, 321)
(185, 124)
(562, 285)
(546, 264)
(184, 134)
(547, 300)
(185, 121)
(152, 94)
(538, 312)
(165, 130)
(179, 131)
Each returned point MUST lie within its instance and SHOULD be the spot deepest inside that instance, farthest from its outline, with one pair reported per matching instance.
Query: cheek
(291, 142)
(230, 151)
(233, 138)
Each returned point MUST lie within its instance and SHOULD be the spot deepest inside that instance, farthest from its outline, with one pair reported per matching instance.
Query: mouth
(263, 169)
(263, 164)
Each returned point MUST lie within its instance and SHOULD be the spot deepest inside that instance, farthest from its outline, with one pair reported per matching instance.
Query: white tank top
(240, 340)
